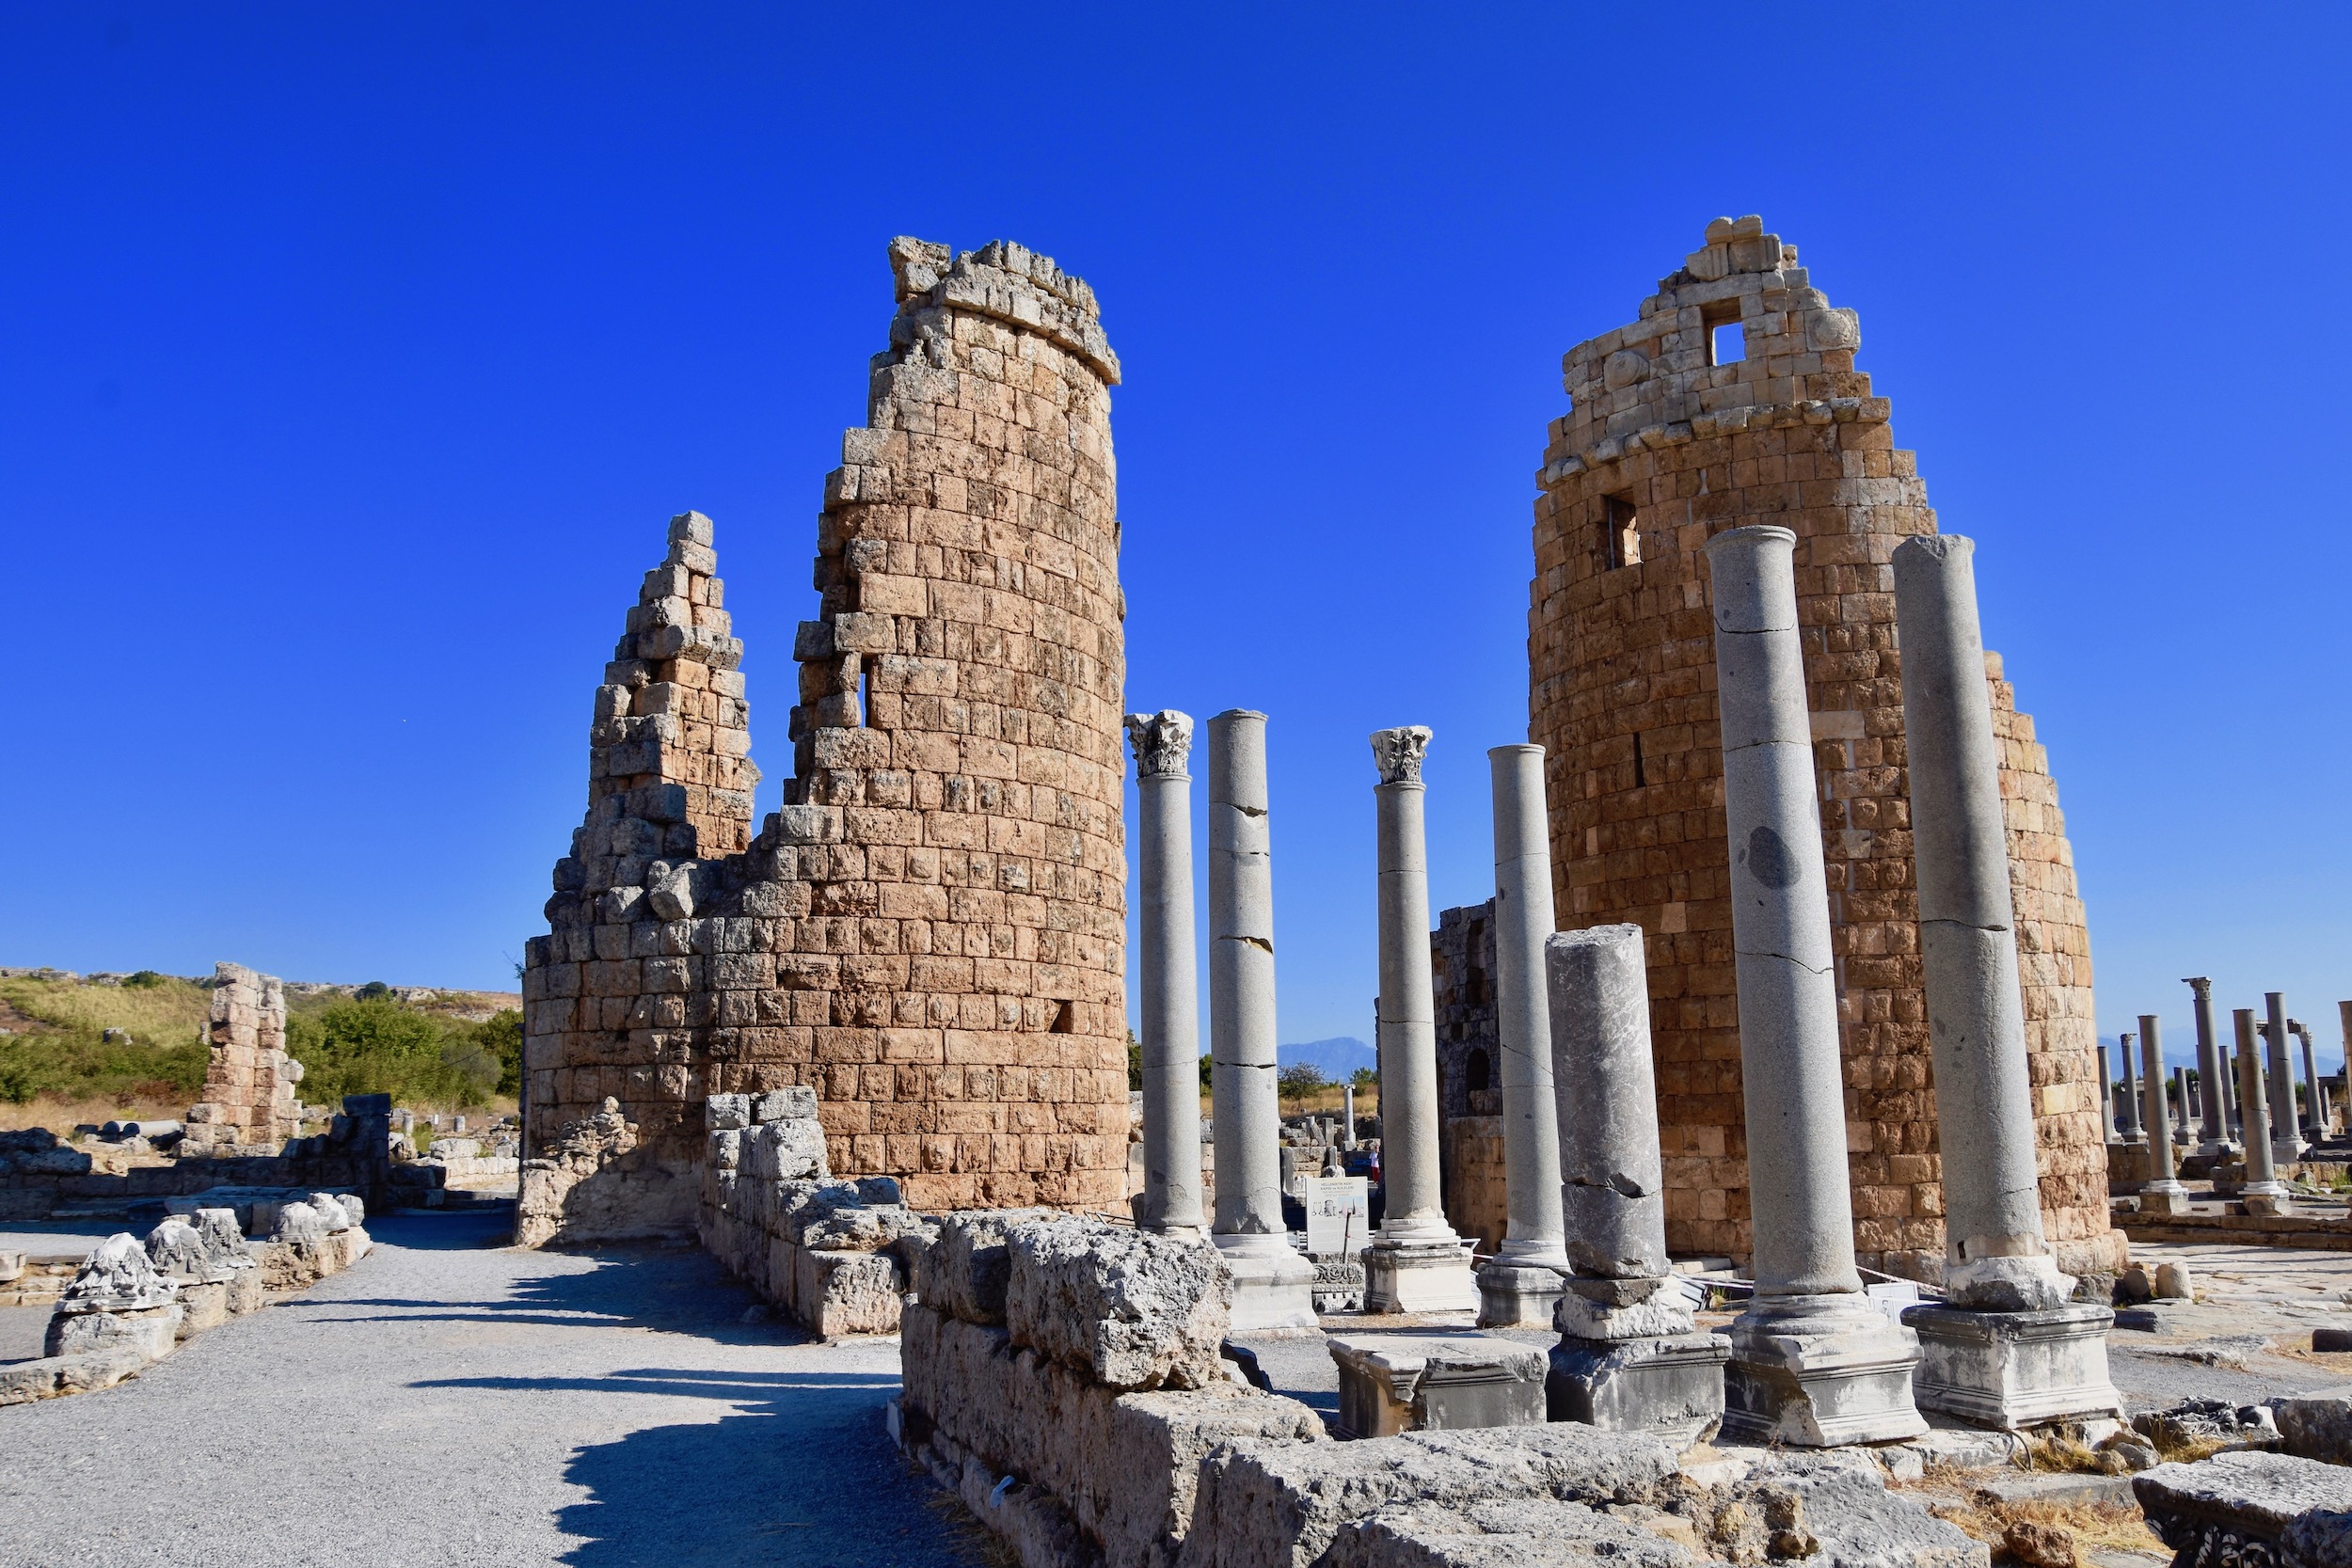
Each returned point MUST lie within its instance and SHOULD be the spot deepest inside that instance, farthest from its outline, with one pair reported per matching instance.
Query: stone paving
(452, 1399)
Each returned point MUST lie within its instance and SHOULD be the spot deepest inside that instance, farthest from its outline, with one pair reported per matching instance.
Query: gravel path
(451, 1400)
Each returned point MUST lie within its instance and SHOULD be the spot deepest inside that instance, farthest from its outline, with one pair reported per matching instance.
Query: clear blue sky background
(354, 356)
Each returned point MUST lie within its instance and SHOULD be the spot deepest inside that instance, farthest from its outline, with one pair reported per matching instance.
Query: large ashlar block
(1670, 1385)
(2250, 1507)
(1822, 1374)
(1392, 1383)
(1403, 1277)
(2011, 1370)
(1127, 1308)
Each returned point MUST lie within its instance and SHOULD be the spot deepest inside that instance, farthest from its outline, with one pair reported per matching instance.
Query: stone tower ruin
(930, 932)
(1733, 399)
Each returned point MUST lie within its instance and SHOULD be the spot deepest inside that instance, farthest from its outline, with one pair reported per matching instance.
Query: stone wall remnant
(1732, 399)
(931, 932)
(250, 1104)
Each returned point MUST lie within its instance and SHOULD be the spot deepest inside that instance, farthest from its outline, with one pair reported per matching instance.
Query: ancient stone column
(1168, 1002)
(2314, 1122)
(1418, 1264)
(1273, 1286)
(2162, 1192)
(1521, 1283)
(2212, 1099)
(2263, 1193)
(2287, 1144)
(1347, 1112)
(2181, 1111)
(2106, 1098)
(1628, 1359)
(2132, 1130)
(1995, 1255)
(1811, 1362)
(2006, 1348)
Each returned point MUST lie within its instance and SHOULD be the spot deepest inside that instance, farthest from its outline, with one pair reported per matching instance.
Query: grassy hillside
(81, 1049)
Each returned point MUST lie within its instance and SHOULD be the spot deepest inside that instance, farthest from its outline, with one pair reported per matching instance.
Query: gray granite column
(1629, 1358)
(2106, 1098)
(1418, 1264)
(1272, 1283)
(1995, 1255)
(2287, 1144)
(2313, 1122)
(2213, 1116)
(1167, 991)
(1811, 1362)
(1521, 1283)
(2162, 1193)
(2263, 1193)
(2182, 1131)
(2132, 1131)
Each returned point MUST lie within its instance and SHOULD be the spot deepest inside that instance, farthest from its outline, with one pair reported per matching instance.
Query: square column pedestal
(1671, 1385)
(1392, 1383)
(1819, 1371)
(2010, 1371)
(1274, 1287)
(1419, 1278)
(1517, 1296)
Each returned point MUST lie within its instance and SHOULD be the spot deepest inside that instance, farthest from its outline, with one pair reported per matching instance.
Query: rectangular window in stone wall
(1623, 526)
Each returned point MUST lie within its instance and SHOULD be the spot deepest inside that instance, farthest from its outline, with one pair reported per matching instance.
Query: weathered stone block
(836, 1293)
(2250, 1507)
(966, 1271)
(150, 1331)
(1392, 1383)
(2317, 1425)
(1131, 1308)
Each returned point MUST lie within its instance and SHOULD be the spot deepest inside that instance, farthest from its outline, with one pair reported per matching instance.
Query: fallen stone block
(2250, 1507)
(1392, 1383)
(101, 1368)
(203, 1304)
(966, 1271)
(153, 1332)
(246, 1293)
(2317, 1425)
(836, 1294)
(1131, 1309)
(1268, 1505)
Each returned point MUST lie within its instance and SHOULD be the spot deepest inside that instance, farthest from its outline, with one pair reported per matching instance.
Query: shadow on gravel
(799, 1472)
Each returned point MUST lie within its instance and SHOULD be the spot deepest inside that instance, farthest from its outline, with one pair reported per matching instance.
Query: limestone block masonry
(930, 932)
(1665, 447)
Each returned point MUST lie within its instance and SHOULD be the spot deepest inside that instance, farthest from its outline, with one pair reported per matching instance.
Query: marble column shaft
(2212, 1107)
(2310, 1077)
(1997, 1256)
(2132, 1130)
(1167, 991)
(1415, 1208)
(2162, 1192)
(1605, 1105)
(1241, 1088)
(1523, 920)
(2262, 1193)
(2106, 1097)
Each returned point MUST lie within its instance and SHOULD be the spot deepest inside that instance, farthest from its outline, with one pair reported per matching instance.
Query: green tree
(1134, 1063)
(1365, 1078)
(1298, 1080)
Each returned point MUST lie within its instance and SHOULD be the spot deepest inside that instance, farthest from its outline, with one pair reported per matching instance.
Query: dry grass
(2299, 1349)
(62, 1116)
(171, 1010)
(2102, 1527)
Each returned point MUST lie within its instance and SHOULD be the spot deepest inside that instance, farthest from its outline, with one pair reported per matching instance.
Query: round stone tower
(1733, 399)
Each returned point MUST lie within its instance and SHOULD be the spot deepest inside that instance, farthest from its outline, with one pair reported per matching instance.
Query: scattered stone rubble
(132, 1303)
(834, 1256)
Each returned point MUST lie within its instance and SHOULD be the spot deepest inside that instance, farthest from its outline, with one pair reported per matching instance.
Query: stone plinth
(2012, 1371)
(1670, 1385)
(1392, 1383)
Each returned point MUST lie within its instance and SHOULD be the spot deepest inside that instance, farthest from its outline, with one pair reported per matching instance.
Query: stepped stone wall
(930, 932)
(250, 1104)
(1665, 447)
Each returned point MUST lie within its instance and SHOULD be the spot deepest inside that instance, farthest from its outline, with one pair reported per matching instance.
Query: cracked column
(2315, 1121)
(2263, 1193)
(2162, 1192)
(2287, 1144)
(1629, 1358)
(1520, 1283)
(1812, 1362)
(1418, 1264)
(2005, 1348)
(1273, 1286)
(1169, 1000)
(2133, 1133)
(2213, 1112)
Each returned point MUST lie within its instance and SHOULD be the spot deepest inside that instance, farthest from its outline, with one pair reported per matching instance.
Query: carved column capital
(1162, 742)
(1398, 753)
(2200, 985)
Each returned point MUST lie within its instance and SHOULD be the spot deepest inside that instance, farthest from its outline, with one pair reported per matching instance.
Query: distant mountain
(1336, 1059)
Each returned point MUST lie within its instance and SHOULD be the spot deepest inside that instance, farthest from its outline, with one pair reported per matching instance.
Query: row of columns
(1812, 1360)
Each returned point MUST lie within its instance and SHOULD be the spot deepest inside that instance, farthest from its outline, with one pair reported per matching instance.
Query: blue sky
(354, 356)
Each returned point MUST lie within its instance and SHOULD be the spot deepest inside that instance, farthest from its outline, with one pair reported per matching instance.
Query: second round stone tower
(1733, 400)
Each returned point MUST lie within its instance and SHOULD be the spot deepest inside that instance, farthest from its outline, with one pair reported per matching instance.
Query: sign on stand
(1339, 1214)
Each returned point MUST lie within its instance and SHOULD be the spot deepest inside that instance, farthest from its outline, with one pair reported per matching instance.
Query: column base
(1517, 1296)
(2163, 1197)
(2011, 1370)
(1419, 1278)
(2286, 1151)
(1818, 1371)
(1671, 1385)
(2266, 1199)
(1392, 1383)
(1274, 1287)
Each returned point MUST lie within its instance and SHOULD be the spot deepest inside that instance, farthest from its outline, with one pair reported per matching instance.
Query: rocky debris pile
(1062, 1377)
(316, 1235)
(132, 1303)
(2235, 1427)
(2271, 1509)
(556, 1189)
(835, 1255)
